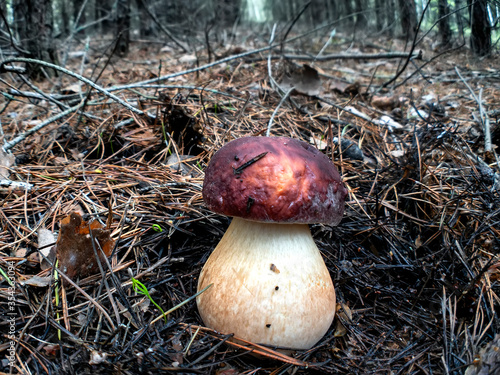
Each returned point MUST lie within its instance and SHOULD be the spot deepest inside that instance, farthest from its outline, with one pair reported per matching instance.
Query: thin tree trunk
(444, 23)
(459, 18)
(360, 17)
(34, 26)
(79, 13)
(408, 12)
(391, 16)
(123, 26)
(349, 12)
(480, 33)
(380, 14)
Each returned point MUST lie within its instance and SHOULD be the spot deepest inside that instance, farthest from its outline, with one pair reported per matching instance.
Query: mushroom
(270, 283)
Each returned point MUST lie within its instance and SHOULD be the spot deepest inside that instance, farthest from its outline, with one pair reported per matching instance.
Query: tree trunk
(123, 26)
(381, 12)
(361, 21)
(317, 11)
(34, 26)
(459, 18)
(391, 16)
(103, 11)
(348, 12)
(65, 18)
(408, 12)
(444, 23)
(79, 13)
(229, 11)
(146, 24)
(480, 31)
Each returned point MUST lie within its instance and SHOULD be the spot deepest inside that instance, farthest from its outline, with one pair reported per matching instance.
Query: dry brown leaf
(74, 247)
(21, 252)
(338, 85)
(183, 164)
(352, 89)
(7, 160)
(304, 80)
(385, 103)
(343, 315)
(72, 89)
(51, 349)
(46, 241)
(40, 281)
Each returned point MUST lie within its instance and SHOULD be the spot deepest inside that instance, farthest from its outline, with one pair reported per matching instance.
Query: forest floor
(414, 261)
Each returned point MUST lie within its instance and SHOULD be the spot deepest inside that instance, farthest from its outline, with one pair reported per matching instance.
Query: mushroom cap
(274, 179)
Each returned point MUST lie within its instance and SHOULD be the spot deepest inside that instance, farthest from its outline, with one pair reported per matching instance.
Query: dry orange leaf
(385, 103)
(75, 251)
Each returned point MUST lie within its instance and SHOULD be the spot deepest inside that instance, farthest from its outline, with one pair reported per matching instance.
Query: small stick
(287, 94)
(237, 171)
(4, 68)
(8, 145)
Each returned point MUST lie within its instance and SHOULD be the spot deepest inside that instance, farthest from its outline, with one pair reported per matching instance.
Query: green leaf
(140, 288)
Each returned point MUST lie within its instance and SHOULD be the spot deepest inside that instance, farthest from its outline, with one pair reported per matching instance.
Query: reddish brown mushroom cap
(274, 179)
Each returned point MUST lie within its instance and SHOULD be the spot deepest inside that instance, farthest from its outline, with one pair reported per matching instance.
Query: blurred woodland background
(40, 28)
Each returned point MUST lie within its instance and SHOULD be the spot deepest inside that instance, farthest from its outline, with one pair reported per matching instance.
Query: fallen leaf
(344, 316)
(142, 136)
(7, 160)
(97, 357)
(187, 59)
(37, 281)
(74, 247)
(352, 89)
(183, 164)
(304, 80)
(46, 242)
(398, 153)
(21, 252)
(51, 349)
(385, 103)
(227, 371)
(338, 86)
(72, 89)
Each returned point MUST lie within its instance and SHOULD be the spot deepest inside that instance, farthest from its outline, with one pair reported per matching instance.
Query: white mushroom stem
(270, 285)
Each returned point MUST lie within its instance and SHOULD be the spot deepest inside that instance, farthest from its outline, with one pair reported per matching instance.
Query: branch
(343, 56)
(4, 68)
(194, 70)
(16, 185)
(8, 145)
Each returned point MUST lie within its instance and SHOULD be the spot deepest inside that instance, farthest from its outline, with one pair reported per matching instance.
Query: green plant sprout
(156, 228)
(141, 289)
(164, 132)
(344, 129)
(182, 303)
(56, 291)
(6, 277)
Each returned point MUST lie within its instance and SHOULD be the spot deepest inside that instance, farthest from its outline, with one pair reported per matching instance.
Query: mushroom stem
(270, 285)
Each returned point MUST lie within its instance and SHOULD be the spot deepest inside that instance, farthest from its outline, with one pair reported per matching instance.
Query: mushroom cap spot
(274, 179)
